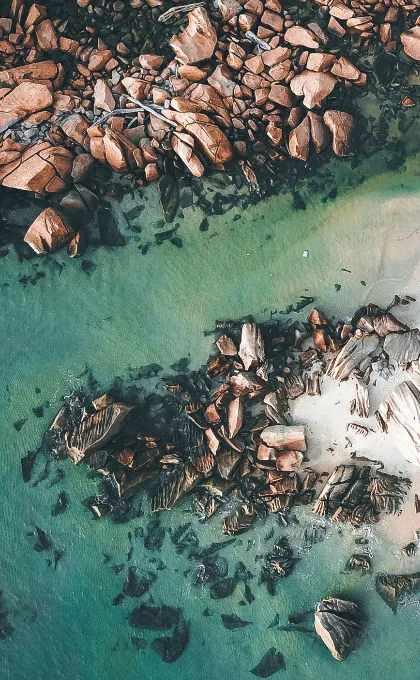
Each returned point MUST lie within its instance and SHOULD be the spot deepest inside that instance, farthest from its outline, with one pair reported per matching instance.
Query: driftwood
(400, 412)
(362, 403)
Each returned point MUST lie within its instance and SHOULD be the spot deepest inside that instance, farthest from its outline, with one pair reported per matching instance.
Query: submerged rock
(278, 563)
(171, 648)
(223, 588)
(339, 624)
(232, 621)
(154, 618)
(271, 662)
(393, 588)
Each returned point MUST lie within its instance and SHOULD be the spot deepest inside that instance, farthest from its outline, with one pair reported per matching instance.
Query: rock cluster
(239, 80)
(225, 434)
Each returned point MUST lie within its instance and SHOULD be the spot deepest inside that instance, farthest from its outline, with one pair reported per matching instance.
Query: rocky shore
(154, 92)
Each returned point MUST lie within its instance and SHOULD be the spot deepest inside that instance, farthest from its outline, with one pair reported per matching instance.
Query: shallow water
(134, 310)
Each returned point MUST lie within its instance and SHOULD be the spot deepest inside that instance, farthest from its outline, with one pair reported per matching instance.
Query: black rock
(232, 622)
(44, 542)
(271, 662)
(169, 198)
(223, 589)
(61, 504)
(139, 643)
(135, 587)
(171, 648)
(155, 535)
(154, 618)
(211, 569)
(27, 463)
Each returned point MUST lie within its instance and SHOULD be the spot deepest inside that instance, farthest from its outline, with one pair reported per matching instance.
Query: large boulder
(43, 168)
(48, 232)
(339, 624)
(24, 99)
(393, 588)
(198, 41)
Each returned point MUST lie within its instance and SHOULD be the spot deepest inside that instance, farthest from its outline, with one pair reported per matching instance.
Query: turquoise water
(133, 310)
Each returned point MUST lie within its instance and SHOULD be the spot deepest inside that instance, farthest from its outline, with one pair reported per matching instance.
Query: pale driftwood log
(285, 437)
(251, 350)
(180, 9)
(235, 415)
(95, 431)
(403, 347)
(354, 352)
(400, 412)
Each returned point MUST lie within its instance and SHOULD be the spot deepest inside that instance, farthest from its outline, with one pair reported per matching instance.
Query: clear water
(135, 310)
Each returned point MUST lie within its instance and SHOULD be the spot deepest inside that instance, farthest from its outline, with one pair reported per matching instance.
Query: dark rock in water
(359, 563)
(339, 624)
(212, 549)
(249, 596)
(271, 662)
(211, 568)
(242, 573)
(139, 643)
(393, 588)
(27, 463)
(118, 599)
(19, 424)
(57, 557)
(44, 542)
(169, 198)
(278, 564)
(298, 617)
(207, 612)
(223, 589)
(275, 622)
(135, 587)
(184, 537)
(61, 504)
(6, 628)
(38, 411)
(154, 618)
(155, 535)
(171, 648)
(232, 622)
(109, 233)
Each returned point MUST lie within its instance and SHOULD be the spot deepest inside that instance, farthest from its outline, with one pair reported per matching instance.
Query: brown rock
(24, 99)
(220, 79)
(46, 36)
(228, 8)
(209, 100)
(198, 41)
(98, 60)
(254, 64)
(335, 27)
(280, 94)
(77, 245)
(299, 139)
(41, 168)
(411, 42)
(314, 86)
(320, 61)
(213, 142)
(35, 14)
(151, 172)
(68, 45)
(273, 20)
(81, 167)
(299, 36)
(320, 134)
(341, 11)
(150, 61)
(341, 126)
(183, 145)
(136, 87)
(103, 96)
(192, 73)
(281, 71)
(343, 68)
(48, 232)
(75, 127)
(275, 56)
(274, 133)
